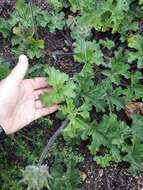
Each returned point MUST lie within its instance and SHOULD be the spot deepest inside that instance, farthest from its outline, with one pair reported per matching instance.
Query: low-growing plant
(24, 30)
(36, 177)
(22, 153)
(46, 121)
(106, 40)
(135, 42)
(24, 23)
(63, 87)
(61, 175)
(64, 169)
(4, 28)
(107, 95)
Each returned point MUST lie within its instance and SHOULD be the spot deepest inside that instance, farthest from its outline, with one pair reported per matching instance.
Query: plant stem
(51, 141)
(33, 20)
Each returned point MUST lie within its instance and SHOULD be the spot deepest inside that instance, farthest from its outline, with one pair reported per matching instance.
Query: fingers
(18, 73)
(37, 93)
(39, 82)
(38, 104)
(45, 111)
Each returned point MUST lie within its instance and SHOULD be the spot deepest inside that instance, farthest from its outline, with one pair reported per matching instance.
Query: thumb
(18, 73)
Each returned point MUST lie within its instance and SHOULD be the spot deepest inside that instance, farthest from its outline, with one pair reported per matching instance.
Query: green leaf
(79, 28)
(134, 91)
(135, 155)
(4, 28)
(29, 46)
(40, 173)
(75, 127)
(88, 52)
(116, 154)
(75, 5)
(140, 2)
(137, 124)
(55, 77)
(37, 43)
(56, 3)
(111, 133)
(103, 96)
(43, 19)
(98, 139)
(20, 4)
(4, 69)
(57, 21)
(63, 87)
(103, 161)
(107, 43)
(118, 68)
(23, 14)
(136, 42)
(131, 56)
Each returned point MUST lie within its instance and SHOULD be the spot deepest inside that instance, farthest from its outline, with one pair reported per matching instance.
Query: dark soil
(6, 7)
(114, 177)
(57, 44)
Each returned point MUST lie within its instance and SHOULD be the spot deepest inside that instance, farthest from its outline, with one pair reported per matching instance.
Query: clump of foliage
(21, 24)
(17, 151)
(110, 78)
(24, 23)
(62, 174)
(107, 95)
(63, 87)
(36, 177)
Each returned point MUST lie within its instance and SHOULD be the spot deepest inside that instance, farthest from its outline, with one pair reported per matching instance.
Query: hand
(19, 103)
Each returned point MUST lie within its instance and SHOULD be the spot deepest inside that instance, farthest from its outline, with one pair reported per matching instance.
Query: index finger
(45, 111)
(39, 82)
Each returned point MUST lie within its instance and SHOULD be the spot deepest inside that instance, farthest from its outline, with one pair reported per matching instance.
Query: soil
(114, 177)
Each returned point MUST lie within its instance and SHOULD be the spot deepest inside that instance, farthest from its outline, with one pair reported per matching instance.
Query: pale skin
(19, 98)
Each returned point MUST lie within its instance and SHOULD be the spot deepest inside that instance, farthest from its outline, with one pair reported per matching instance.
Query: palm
(20, 99)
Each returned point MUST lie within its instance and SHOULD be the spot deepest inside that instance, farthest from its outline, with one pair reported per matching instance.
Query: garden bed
(25, 147)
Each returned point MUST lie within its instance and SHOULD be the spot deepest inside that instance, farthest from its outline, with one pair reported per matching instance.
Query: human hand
(19, 103)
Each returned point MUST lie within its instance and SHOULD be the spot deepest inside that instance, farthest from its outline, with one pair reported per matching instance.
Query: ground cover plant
(101, 101)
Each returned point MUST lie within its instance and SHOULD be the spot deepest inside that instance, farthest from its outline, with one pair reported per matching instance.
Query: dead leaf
(16, 30)
(83, 175)
(100, 174)
(65, 49)
(134, 107)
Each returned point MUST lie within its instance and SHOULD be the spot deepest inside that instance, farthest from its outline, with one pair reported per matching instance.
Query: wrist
(4, 128)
